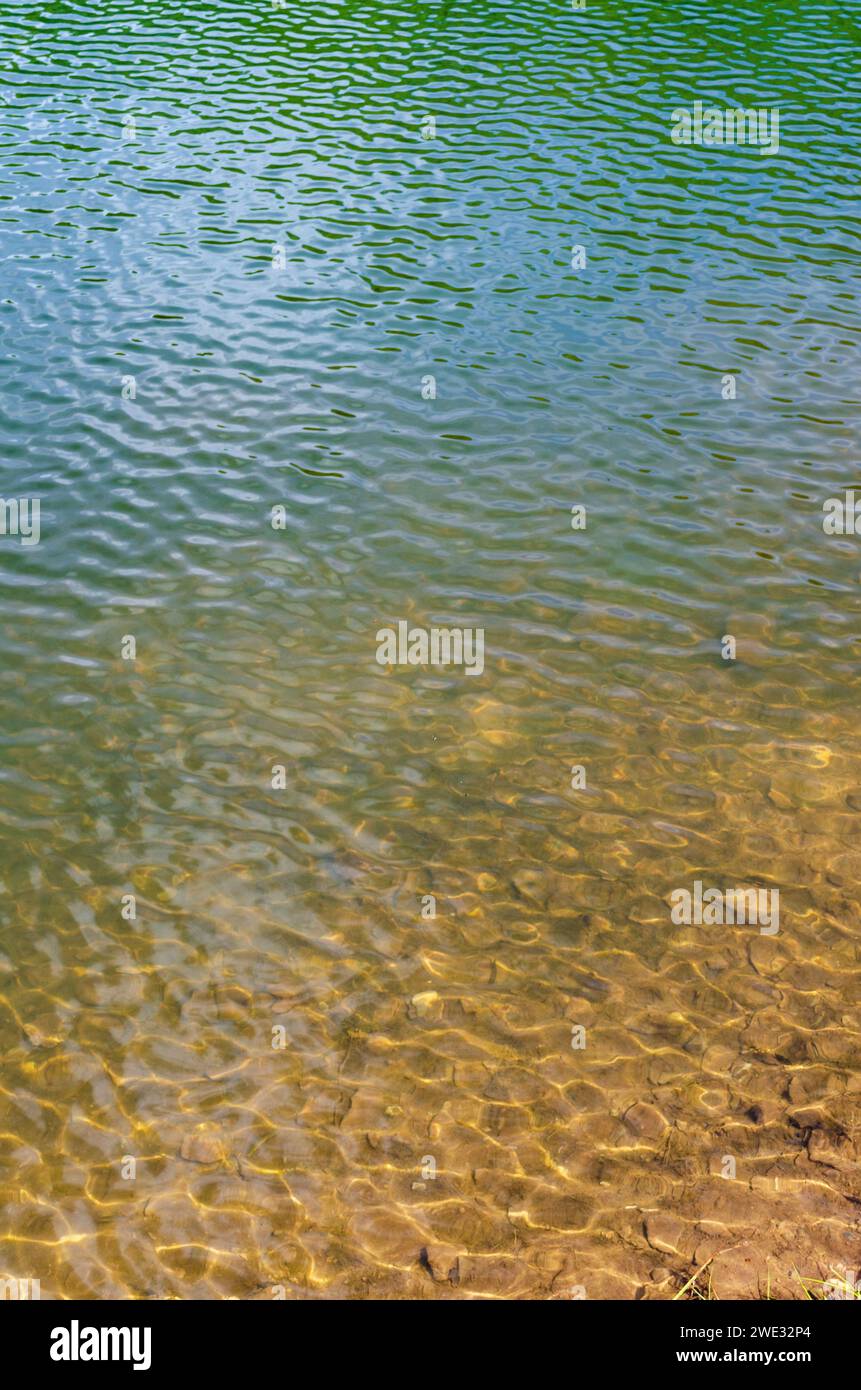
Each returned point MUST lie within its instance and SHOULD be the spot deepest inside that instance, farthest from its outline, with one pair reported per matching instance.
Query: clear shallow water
(255, 386)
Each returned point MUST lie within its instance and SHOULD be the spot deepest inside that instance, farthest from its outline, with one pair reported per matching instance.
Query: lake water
(324, 260)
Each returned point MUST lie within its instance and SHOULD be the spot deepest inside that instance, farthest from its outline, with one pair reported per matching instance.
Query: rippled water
(234, 250)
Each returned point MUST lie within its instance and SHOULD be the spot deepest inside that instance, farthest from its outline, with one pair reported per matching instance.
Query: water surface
(231, 260)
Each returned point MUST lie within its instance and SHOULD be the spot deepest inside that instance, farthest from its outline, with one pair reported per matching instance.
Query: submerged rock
(833, 1149)
(645, 1120)
(667, 1234)
(202, 1146)
(737, 1273)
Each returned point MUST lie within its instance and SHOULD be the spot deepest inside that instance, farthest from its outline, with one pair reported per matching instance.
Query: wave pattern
(237, 242)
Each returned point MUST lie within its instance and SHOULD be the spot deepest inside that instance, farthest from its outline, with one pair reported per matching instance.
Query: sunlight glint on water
(232, 260)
